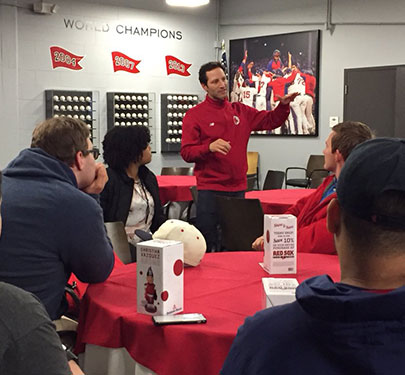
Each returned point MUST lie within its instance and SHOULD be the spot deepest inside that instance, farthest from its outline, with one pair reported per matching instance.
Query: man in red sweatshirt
(312, 234)
(215, 136)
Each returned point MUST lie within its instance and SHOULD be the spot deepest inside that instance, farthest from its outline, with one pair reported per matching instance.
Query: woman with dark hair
(131, 194)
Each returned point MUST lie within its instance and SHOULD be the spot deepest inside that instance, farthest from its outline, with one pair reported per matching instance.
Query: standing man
(52, 221)
(215, 137)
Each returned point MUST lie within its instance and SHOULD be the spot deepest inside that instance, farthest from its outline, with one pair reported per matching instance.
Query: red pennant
(62, 58)
(124, 62)
(176, 66)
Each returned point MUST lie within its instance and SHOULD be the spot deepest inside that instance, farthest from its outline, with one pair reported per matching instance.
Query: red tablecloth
(225, 287)
(175, 188)
(278, 201)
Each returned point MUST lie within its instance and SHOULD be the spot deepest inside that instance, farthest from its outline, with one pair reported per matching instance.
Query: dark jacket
(50, 229)
(117, 196)
(331, 328)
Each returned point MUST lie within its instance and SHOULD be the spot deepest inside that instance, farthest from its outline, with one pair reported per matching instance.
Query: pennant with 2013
(124, 62)
(62, 58)
(176, 66)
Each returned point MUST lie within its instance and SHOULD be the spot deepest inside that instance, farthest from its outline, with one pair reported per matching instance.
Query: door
(376, 96)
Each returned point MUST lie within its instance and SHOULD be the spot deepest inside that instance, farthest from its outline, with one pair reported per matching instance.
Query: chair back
(314, 173)
(253, 162)
(177, 171)
(192, 206)
(314, 162)
(116, 233)
(253, 170)
(316, 178)
(194, 193)
(251, 182)
(241, 222)
(274, 180)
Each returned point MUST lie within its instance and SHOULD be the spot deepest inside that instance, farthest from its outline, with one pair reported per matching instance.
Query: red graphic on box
(62, 58)
(164, 295)
(178, 267)
(124, 62)
(176, 66)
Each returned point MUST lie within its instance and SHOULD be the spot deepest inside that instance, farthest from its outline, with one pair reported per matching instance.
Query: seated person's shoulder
(73, 198)
(20, 311)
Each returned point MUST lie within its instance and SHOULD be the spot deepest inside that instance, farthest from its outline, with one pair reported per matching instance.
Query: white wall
(367, 33)
(361, 38)
(26, 69)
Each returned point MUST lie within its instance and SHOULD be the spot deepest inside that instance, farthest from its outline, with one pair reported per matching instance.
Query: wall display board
(173, 109)
(132, 109)
(263, 69)
(82, 105)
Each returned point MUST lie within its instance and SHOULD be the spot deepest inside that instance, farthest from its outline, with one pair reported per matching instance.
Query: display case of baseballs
(81, 105)
(173, 109)
(132, 109)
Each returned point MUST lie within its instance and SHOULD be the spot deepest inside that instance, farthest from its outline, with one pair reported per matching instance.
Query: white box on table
(280, 244)
(160, 270)
(278, 291)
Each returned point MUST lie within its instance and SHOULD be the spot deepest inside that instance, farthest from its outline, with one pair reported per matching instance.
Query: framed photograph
(263, 69)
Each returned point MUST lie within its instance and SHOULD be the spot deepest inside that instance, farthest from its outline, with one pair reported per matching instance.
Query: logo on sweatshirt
(212, 123)
(236, 120)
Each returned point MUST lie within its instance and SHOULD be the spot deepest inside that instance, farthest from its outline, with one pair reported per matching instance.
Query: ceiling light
(187, 3)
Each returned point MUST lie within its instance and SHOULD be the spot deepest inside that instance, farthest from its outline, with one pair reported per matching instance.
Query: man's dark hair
(202, 74)
(348, 135)
(0, 185)
(61, 137)
(125, 144)
(374, 238)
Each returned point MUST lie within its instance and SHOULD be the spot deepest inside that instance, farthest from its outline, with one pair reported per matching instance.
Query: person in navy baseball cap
(374, 169)
(354, 325)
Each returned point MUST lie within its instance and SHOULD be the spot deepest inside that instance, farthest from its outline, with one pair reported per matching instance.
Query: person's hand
(258, 244)
(287, 99)
(221, 146)
(74, 368)
(101, 178)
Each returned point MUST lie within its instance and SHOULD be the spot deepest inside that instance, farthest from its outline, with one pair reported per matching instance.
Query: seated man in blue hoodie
(53, 223)
(355, 326)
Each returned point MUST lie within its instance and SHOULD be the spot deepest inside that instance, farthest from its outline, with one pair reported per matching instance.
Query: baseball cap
(193, 241)
(372, 168)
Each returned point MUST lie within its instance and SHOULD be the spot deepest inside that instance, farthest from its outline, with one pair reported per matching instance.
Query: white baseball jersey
(248, 94)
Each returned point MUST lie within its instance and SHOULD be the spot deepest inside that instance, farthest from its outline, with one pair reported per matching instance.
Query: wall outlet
(333, 120)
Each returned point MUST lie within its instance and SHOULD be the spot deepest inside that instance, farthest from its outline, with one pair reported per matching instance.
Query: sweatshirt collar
(217, 103)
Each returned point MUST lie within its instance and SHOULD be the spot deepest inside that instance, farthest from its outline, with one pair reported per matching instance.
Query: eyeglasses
(95, 151)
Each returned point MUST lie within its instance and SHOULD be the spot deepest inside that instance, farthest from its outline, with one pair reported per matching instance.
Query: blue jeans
(207, 216)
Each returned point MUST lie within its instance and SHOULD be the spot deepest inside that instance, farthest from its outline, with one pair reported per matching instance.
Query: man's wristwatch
(69, 354)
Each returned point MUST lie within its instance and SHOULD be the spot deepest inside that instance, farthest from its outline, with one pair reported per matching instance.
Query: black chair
(241, 222)
(274, 180)
(313, 171)
(66, 325)
(177, 171)
(317, 177)
(252, 173)
(116, 233)
(251, 182)
(192, 207)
